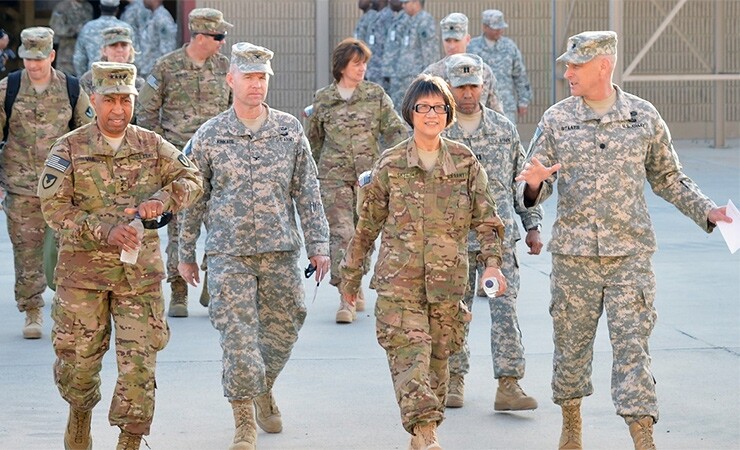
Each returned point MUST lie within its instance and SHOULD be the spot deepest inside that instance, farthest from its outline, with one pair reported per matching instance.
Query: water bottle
(130, 257)
(490, 286)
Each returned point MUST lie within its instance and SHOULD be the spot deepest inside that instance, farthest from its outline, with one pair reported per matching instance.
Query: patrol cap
(114, 78)
(208, 21)
(464, 68)
(249, 58)
(493, 18)
(113, 35)
(585, 46)
(454, 26)
(36, 43)
(110, 2)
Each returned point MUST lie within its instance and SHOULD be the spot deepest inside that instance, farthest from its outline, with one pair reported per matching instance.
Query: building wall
(288, 27)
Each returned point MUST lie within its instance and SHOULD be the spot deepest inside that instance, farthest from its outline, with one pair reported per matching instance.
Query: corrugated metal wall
(289, 29)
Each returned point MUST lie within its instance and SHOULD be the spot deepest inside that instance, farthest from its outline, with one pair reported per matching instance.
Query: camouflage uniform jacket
(507, 63)
(489, 96)
(179, 96)
(497, 146)
(601, 208)
(393, 44)
(419, 45)
(158, 37)
(90, 41)
(376, 42)
(67, 19)
(253, 185)
(344, 133)
(84, 189)
(136, 15)
(37, 120)
(362, 29)
(425, 218)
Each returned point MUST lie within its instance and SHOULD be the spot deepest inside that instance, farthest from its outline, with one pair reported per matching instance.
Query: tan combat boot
(34, 321)
(570, 436)
(346, 312)
(425, 437)
(642, 433)
(511, 397)
(455, 392)
(77, 434)
(245, 436)
(268, 414)
(128, 441)
(205, 298)
(360, 301)
(179, 298)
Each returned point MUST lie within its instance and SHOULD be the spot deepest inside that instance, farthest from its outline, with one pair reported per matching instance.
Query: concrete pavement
(336, 391)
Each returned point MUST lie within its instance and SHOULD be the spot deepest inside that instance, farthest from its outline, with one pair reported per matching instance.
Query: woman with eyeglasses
(425, 195)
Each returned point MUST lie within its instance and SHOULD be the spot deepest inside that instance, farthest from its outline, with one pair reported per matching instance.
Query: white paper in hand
(731, 231)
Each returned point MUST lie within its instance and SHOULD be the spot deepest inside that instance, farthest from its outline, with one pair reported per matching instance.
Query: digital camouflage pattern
(67, 19)
(136, 15)
(362, 28)
(90, 42)
(376, 37)
(392, 54)
(158, 38)
(422, 268)
(344, 137)
(489, 97)
(497, 146)
(512, 82)
(255, 182)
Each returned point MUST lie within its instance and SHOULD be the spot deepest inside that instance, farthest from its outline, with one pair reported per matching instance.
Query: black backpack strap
(73, 92)
(14, 85)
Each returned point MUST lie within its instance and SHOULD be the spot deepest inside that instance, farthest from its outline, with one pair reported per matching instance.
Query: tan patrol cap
(464, 68)
(249, 58)
(493, 18)
(208, 21)
(585, 46)
(114, 78)
(454, 26)
(114, 35)
(36, 43)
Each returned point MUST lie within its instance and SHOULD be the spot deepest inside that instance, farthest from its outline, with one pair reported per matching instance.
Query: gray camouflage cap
(36, 43)
(110, 2)
(493, 18)
(464, 68)
(249, 58)
(113, 35)
(585, 46)
(114, 78)
(454, 26)
(208, 21)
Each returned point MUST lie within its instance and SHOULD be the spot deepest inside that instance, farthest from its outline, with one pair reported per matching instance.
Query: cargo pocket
(159, 326)
(389, 317)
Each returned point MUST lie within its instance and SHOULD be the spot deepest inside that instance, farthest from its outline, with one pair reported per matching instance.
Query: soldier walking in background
(42, 112)
(67, 19)
(186, 88)
(90, 39)
(157, 37)
(136, 15)
(376, 42)
(504, 57)
(495, 142)
(117, 47)
(258, 172)
(369, 13)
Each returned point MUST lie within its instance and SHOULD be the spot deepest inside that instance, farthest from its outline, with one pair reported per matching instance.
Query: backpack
(14, 85)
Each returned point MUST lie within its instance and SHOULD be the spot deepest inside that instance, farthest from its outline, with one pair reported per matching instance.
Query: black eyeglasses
(216, 37)
(424, 109)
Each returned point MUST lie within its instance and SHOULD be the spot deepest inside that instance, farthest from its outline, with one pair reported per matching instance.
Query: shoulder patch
(56, 162)
(184, 160)
(152, 81)
(49, 180)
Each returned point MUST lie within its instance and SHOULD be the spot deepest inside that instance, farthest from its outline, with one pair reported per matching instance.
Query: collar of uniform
(235, 126)
(359, 94)
(448, 164)
(55, 85)
(99, 146)
(620, 111)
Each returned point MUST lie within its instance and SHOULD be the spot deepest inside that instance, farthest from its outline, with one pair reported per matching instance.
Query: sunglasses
(216, 37)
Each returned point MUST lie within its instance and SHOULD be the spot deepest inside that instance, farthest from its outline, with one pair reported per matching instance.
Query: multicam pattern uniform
(422, 269)
(344, 138)
(37, 120)
(489, 96)
(84, 188)
(254, 183)
(86, 82)
(603, 239)
(497, 146)
(90, 42)
(67, 20)
(158, 37)
(507, 63)
(176, 100)
(376, 36)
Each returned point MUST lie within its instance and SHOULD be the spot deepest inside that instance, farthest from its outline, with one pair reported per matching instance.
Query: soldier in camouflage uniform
(495, 142)
(257, 172)
(425, 195)
(186, 88)
(376, 42)
(392, 48)
(136, 15)
(67, 19)
(349, 117)
(94, 181)
(601, 144)
(90, 39)
(41, 113)
(455, 39)
(158, 36)
(363, 24)
(117, 47)
(506, 61)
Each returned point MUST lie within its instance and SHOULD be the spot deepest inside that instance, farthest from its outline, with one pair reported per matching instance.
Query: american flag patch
(58, 163)
(152, 80)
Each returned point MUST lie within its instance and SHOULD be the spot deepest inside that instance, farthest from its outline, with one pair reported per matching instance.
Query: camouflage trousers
(173, 259)
(26, 227)
(257, 305)
(81, 336)
(582, 287)
(418, 338)
(506, 337)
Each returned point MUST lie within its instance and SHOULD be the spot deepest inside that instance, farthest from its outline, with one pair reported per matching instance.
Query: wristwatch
(537, 227)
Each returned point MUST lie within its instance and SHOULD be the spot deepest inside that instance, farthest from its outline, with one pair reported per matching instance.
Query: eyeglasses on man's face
(424, 109)
(216, 37)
